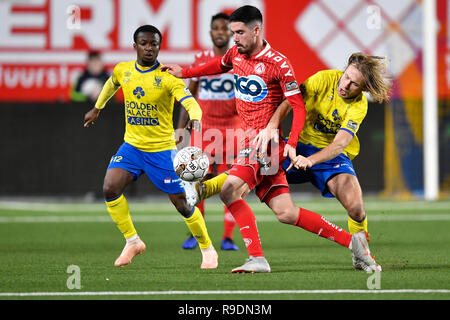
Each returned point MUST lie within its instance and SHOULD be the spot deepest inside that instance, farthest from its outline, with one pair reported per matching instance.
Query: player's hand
(289, 151)
(300, 162)
(173, 69)
(264, 136)
(194, 125)
(91, 116)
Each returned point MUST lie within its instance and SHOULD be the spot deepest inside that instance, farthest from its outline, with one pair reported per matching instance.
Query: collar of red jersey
(264, 50)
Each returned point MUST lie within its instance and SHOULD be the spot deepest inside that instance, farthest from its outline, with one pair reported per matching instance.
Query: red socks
(317, 224)
(307, 220)
(228, 224)
(245, 219)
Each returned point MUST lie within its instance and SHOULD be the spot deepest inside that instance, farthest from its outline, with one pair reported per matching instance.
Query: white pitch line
(210, 218)
(165, 206)
(218, 292)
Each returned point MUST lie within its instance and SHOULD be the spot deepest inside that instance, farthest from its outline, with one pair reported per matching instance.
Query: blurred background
(56, 54)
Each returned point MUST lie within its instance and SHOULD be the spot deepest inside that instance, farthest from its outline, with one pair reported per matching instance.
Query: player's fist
(173, 69)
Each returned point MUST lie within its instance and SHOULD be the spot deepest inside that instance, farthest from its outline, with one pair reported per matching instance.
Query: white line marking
(388, 207)
(218, 292)
(175, 217)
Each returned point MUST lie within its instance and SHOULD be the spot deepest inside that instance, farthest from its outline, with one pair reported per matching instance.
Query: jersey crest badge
(260, 68)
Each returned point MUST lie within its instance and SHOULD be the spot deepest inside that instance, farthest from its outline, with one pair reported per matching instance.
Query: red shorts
(263, 173)
(220, 147)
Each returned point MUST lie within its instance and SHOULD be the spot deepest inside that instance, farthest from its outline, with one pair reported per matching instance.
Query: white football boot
(253, 265)
(195, 192)
(362, 258)
(192, 196)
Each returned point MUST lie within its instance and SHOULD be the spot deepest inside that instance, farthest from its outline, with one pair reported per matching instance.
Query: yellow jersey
(327, 112)
(149, 95)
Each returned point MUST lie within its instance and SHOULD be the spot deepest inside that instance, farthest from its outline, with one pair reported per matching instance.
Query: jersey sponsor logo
(336, 115)
(250, 89)
(139, 92)
(326, 125)
(217, 88)
(141, 114)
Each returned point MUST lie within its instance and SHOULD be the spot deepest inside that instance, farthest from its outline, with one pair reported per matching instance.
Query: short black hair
(220, 15)
(94, 54)
(246, 14)
(147, 28)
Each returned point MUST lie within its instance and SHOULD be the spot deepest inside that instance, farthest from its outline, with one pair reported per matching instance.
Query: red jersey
(261, 83)
(215, 96)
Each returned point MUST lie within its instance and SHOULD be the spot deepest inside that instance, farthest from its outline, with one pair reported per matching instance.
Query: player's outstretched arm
(174, 69)
(213, 66)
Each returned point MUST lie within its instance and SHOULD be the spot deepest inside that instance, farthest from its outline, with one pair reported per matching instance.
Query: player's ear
(257, 30)
(135, 46)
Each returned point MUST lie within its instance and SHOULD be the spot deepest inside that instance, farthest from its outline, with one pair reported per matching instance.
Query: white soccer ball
(191, 164)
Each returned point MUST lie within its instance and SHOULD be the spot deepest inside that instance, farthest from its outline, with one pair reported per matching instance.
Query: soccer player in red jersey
(263, 78)
(215, 95)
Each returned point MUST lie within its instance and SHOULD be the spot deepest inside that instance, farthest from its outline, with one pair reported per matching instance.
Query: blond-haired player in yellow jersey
(336, 107)
(149, 142)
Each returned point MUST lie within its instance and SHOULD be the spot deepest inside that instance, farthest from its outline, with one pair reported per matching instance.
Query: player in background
(149, 145)
(263, 77)
(215, 95)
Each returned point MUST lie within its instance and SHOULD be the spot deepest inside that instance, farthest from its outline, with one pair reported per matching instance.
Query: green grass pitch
(39, 241)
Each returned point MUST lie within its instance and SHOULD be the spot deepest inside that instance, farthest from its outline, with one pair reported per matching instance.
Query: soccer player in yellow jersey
(149, 142)
(336, 107)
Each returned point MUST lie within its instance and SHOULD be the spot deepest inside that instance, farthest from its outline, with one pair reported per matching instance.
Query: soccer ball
(191, 164)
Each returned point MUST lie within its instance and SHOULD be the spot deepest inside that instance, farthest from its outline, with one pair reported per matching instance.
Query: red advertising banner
(44, 43)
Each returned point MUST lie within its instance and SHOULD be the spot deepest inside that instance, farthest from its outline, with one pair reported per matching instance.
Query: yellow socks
(120, 213)
(214, 185)
(357, 226)
(197, 226)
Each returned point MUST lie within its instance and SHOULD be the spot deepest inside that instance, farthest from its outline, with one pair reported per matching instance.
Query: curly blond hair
(374, 70)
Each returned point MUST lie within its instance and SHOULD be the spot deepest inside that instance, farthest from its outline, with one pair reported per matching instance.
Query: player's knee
(356, 211)
(227, 194)
(110, 191)
(182, 207)
(285, 215)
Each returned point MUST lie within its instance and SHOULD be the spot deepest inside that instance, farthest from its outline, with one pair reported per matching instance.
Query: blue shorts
(158, 166)
(320, 173)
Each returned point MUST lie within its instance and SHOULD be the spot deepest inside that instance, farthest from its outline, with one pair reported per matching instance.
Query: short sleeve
(355, 116)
